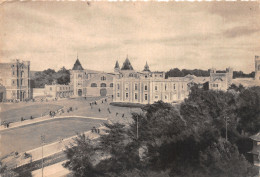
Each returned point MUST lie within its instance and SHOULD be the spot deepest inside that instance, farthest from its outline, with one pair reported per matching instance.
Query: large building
(15, 78)
(147, 87)
(220, 81)
(86, 82)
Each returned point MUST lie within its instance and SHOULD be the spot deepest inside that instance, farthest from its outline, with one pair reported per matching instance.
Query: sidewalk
(42, 119)
(56, 170)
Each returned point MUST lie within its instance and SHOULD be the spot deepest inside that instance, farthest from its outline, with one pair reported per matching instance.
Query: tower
(77, 78)
(146, 68)
(257, 68)
(117, 67)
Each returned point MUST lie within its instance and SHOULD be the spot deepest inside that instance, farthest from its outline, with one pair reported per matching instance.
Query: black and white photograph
(129, 88)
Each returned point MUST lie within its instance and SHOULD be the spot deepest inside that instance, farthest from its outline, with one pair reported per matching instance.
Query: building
(15, 77)
(85, 82)
(58, 91)
(257, 69)
(220, 81)
(256, 149)
(147, 87)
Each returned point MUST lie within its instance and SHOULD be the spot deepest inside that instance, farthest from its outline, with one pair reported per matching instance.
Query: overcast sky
(166, 35)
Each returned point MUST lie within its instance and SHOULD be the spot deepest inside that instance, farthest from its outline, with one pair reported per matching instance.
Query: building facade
(86, 82)
(257, 69)
(147, 87)
(220, 81)
(15, 77)
(58, 91)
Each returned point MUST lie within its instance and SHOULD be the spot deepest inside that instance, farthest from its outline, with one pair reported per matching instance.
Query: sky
(186, 35)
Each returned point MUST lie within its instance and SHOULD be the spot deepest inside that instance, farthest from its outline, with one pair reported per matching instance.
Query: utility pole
(42, 141)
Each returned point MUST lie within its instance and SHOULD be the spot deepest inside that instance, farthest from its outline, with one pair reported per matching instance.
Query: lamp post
(42, 142)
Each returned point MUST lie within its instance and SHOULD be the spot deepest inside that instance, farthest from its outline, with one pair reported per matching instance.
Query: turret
(117, 67)
(146, 68)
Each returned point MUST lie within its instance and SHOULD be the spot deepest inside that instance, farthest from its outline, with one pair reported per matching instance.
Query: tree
(81, 156)
(249, 110)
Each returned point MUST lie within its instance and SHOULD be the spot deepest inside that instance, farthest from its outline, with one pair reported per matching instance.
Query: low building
(256, 149)
(58, 91)
(15, 77)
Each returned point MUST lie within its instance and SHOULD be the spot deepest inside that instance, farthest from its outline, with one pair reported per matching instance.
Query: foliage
(249, 110)
(176, 72)
(179, 141)
(49, 76)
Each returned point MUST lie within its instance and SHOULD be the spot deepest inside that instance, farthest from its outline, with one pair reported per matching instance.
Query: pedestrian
(123, 115)
(116, 113)
(102, 101)
(105, 100)
(99, 109)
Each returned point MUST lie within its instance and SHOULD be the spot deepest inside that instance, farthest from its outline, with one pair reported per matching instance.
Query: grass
(28, 137)
(14, 115)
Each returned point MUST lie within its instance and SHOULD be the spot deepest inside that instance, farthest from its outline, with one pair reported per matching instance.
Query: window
(93, 85)
(135, 86)
(118, 86)
(165, 87)
(156, 96)
(135, 96)
(118, 94)
(126, 86)
(174, 86)
(111, 85)
(155, 87)
(50, 88)
(103, 85)
(13, 73)
(258, 67)
(145, 87)
(13, 82)
(166, 97)
(21, 82)
(79, 76)
(145, 76)
(182, 86)
(126, 95)
(22, 74)
(145, 97)
(103, 78)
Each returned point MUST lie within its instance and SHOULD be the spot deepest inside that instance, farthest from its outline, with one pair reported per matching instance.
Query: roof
(127, 65)
(117, 65)
(146, 68)
(77, 65)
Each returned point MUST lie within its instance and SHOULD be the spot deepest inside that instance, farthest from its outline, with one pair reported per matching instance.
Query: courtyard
(27, 136)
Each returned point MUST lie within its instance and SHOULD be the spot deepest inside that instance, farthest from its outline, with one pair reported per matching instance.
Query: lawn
(28, 137)
(35, 110)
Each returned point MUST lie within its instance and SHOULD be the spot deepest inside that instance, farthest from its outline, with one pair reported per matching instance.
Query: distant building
(146, 86)
(257, 69)
(58, 91)
(15, 77)
(86, 82)
(256, 149)
(220, 81)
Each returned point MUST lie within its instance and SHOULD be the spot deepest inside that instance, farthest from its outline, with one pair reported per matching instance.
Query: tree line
(176, 72)
(206, 135)
(47, 77)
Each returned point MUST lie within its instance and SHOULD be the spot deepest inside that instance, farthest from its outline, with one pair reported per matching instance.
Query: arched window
(103, 85)
(93, 85)
(111, 85)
